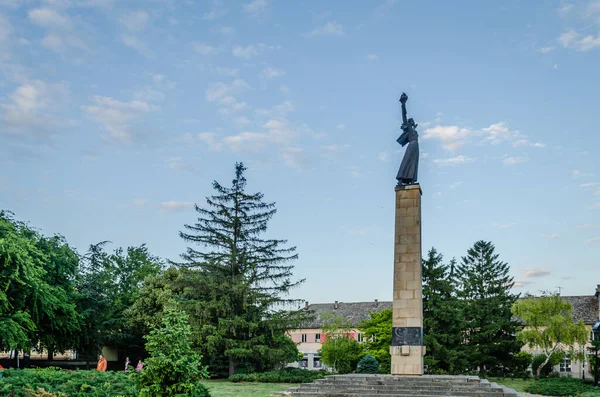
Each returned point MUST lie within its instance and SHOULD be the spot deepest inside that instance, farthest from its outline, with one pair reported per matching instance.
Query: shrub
(368, 365)
(520, 365)
(56, 382)
(562, 387)
(538, 359)
(174, 369)
(285, 375)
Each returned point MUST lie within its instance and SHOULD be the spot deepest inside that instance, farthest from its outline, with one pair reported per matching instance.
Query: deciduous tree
(549, 326)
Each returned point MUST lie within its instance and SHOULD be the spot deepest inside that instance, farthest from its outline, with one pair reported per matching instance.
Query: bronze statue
(407, 174)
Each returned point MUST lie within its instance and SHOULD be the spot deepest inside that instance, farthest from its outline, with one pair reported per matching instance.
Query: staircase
(410, 386)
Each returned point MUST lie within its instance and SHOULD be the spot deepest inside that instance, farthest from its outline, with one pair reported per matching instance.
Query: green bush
(367, 365)
(538, 359)
(174, 369)
(520, 365)
(286, 375)
(52, 381)
(562, 387)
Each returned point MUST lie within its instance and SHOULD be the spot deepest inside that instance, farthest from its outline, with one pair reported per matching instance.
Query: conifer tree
(485, 290)
(244, 280)
(442, 317)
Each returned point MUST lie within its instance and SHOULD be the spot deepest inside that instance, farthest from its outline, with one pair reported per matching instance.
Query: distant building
(310, 337)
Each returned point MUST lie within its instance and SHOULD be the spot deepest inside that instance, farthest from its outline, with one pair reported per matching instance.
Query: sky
(116, 116)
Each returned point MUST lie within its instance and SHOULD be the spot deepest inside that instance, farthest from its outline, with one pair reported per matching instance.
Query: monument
(407, 348)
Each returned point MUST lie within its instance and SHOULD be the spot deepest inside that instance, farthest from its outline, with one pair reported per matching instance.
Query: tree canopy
(549, 326)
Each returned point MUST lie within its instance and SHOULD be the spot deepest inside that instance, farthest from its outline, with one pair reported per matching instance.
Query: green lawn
(222, 388)
(516, 384)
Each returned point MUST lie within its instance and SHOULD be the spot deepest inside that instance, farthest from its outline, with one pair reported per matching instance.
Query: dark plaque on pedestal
(411, 336)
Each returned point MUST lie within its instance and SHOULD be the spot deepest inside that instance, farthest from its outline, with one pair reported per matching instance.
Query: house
(310, 337)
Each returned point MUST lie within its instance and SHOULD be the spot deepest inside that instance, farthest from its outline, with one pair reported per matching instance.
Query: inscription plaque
(411, 336)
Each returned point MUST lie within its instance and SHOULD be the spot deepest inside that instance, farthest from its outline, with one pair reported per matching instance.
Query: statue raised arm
(403, 99)
(407, 174)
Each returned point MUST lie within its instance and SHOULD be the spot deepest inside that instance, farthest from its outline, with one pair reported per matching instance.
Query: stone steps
(390, 386)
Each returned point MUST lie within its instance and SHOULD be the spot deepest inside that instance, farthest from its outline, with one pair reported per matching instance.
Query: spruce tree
(244, 280)
(485, 290)
(442, 317)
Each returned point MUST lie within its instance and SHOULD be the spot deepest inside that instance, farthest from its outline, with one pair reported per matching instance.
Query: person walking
(127, 364)
(101, 364)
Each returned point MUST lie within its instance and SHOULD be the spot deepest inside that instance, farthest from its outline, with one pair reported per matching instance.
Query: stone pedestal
(407, 348)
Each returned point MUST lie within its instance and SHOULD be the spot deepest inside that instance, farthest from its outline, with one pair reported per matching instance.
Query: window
(317, 362)
(303, 338)
(565, 365)
(304, 363)
(318, 338)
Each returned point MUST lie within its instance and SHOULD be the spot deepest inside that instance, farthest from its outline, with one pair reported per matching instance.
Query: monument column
(407, 348)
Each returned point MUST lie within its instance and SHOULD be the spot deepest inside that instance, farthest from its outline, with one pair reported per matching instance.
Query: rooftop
(584, 308)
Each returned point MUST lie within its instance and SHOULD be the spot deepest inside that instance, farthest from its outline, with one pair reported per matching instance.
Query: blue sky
(115, 116)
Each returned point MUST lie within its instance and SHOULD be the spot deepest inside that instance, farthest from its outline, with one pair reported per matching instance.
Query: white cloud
(383, 156)
(503, 225)
(176, 206)
(588, 185)
(284, 89)
(514, 160)
(536, 272)
(520, 284)
(210, 139)
(135, 21)
(242, 121)
(116, 116)
(458, 160)
(218, 90)
(566, 8)
(586, 226)
(552, 236)
(245, 52)
(225, 30)
(579, 174)
(545, 50)
(139, 202)
(372, 57)
(224, 95)
(255, 7)
(526, 143)
(33, 104)
(593, 240)
(340, 127)
(329, 29)
(574, 40)
(246, 141)
(203, 49)
(48, 18)
(451, 137)
(278, 111)
(138, 45)
(424, 155)
(224, 71)
(498, 133)
(269, 73)
(295, 157)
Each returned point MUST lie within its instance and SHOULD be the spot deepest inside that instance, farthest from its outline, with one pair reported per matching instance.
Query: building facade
(311, 336)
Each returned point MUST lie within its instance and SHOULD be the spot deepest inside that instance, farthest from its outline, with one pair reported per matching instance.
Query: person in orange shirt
(101, 364)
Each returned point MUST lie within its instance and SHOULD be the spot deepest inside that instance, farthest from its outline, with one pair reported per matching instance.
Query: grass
(222, 388)
(516, 384)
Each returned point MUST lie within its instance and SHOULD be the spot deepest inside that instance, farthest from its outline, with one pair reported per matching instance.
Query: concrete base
(407, 309)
